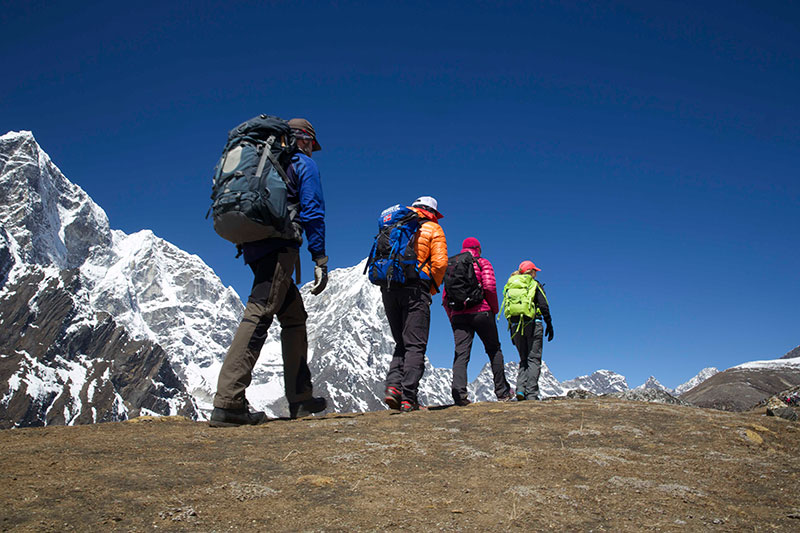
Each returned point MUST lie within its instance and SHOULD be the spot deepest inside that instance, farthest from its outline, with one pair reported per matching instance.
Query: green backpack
(518, 296)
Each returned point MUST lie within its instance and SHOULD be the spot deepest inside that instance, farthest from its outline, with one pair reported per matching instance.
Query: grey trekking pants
(273, 293)
(408, 310)
(464, 329)
(528, 340)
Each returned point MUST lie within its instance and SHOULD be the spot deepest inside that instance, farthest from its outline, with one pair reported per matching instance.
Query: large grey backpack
(249, 189)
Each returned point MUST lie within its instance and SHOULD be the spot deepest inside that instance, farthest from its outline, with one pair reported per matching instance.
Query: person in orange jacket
(408, 309)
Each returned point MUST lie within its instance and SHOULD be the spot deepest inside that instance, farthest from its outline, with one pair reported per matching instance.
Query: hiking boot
(520, 397)
(224, 418)
(507, 398)
(307, 407)
(463, 402)
(407, 407)
(392, 398)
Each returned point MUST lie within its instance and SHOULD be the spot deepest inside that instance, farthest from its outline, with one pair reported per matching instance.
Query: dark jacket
(541, 304)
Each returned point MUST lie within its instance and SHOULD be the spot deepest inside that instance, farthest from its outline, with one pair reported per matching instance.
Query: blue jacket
(305, 189)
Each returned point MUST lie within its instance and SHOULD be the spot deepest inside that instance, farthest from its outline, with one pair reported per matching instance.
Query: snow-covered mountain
(153, 290)
(161, 293)
(652, 383)
(598, 382)
(695, 381)
(482, 388)
(59, 347)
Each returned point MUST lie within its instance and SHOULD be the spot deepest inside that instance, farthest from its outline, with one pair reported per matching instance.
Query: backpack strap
(536, 287)
(264, 155)
(370, 256)
(422, 266)
(540, 286)
(503, 304)
(477, 261)
(267, 154)
(520, 327)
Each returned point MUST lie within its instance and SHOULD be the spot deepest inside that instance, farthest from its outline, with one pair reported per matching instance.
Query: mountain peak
(16, 135)
(651, 383)
(52, 220)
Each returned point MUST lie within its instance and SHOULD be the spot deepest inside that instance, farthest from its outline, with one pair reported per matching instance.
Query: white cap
(426, 201)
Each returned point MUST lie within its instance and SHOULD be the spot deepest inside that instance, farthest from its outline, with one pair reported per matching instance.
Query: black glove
(320, 275)
(548, 331)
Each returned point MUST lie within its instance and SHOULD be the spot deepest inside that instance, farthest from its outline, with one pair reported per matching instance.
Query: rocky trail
(562, 465)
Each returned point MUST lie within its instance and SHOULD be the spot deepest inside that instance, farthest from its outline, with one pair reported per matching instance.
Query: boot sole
(216, 424)
(303, 412)
(221, 424)
(392, 402)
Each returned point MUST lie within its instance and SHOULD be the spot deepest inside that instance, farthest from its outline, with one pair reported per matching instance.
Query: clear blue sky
(646, 155)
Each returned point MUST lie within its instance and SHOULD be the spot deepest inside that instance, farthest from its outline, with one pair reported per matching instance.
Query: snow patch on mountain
(770, 364)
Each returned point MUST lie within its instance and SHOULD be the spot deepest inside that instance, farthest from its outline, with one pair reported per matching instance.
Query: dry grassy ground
(568, 465)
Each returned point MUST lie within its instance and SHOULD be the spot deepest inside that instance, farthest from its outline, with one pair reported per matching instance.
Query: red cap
(528, 265)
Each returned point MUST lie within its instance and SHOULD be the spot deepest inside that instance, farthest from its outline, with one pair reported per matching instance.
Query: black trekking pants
(464, 329)
(408, 310)
(273, 293)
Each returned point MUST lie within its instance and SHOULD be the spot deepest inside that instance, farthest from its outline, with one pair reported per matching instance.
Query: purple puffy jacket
(485, 274)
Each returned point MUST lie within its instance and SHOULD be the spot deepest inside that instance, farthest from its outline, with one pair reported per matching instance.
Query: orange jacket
(431, 248)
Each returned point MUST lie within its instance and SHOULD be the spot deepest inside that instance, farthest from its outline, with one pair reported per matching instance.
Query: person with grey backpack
(266, 193)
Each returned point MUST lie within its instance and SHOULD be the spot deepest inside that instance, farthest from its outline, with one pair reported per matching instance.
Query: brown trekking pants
(273, 293)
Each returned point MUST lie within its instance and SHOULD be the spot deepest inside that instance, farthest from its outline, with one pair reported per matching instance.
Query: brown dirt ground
(568, 465)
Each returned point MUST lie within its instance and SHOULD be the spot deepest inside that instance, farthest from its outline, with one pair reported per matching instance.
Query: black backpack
(462, 287)
(249, 188)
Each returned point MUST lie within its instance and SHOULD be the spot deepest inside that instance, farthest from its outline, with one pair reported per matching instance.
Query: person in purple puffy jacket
(477, 319)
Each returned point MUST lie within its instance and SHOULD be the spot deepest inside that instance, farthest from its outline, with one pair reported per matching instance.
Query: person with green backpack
(525, 307)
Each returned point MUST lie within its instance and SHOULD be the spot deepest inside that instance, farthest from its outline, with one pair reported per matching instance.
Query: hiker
(470, 300)
(273, 260)
(526, 306)
(408, 261)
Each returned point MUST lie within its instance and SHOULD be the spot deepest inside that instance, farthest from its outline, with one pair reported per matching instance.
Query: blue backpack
(393, 259)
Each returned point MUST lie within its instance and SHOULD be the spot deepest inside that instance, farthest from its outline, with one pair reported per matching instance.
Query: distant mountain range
(98, 325)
